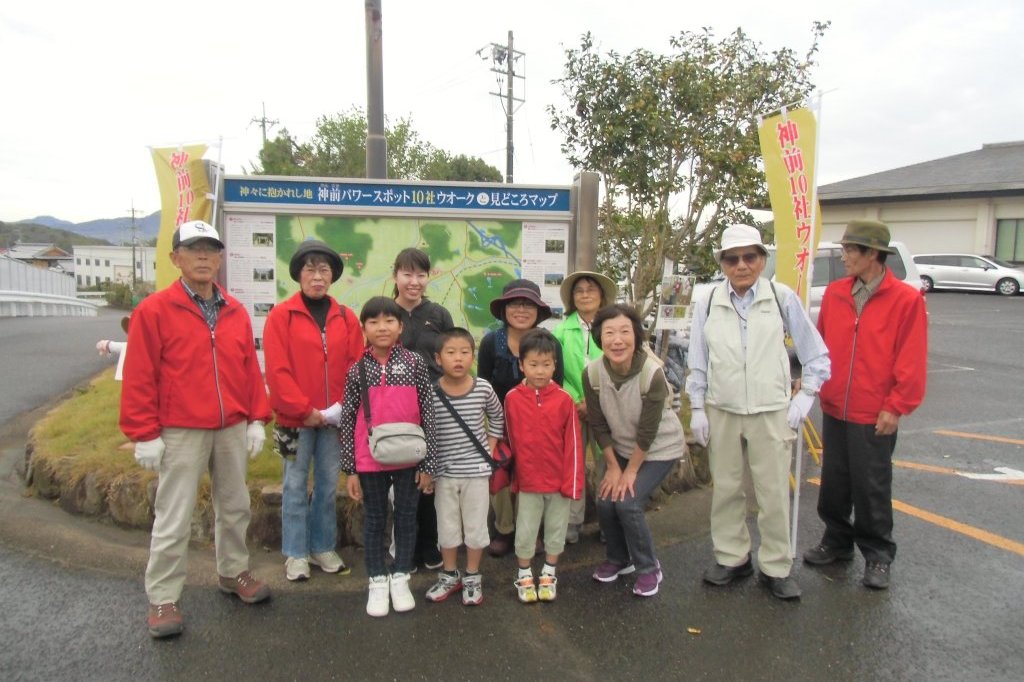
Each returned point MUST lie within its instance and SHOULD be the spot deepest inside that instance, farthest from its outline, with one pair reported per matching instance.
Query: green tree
(338, 149)
(674, 139)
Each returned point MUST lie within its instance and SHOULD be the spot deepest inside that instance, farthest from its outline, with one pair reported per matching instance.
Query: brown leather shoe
(501, 544)
(165, 620)
(246, 587)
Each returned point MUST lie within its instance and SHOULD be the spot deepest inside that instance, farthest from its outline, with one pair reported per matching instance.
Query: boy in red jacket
(544, 433)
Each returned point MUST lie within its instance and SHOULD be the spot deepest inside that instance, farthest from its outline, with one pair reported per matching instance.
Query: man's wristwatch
(809, 391)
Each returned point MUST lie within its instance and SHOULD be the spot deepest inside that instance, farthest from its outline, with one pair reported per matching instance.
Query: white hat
(736, 236)
(193, 231)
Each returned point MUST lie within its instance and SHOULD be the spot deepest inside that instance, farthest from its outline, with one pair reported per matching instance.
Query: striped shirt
(457, 456)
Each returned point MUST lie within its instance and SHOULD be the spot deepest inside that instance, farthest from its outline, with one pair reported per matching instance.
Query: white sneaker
(378, 604)
(401, 596)
(296, 568)
(329, 562)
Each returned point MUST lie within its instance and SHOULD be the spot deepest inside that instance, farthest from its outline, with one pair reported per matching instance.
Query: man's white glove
(254, 437)
(799, 407)
(332, 415)
(149, 453)
(700, 427)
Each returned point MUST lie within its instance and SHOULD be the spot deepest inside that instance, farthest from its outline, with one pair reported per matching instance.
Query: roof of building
(29, 251)
(995, 169)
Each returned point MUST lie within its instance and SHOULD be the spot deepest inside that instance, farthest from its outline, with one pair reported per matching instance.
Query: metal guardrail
(32, 304)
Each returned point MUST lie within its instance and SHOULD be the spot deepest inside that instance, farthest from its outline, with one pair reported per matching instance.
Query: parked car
(967, 271)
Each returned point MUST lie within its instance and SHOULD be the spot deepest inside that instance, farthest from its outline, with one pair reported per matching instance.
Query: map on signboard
(471, 260)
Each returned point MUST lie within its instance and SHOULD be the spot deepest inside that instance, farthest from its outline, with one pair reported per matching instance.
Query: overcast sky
(87, 87)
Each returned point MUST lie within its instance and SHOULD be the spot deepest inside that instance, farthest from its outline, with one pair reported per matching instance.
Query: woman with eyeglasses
(519, 308)
(423, 321)
(583, 293)
(309, 343)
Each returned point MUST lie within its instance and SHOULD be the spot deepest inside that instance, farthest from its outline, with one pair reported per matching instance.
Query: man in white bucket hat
(743, 407)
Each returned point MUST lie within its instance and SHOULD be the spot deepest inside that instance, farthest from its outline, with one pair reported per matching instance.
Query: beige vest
(754, 381)
(622, 407)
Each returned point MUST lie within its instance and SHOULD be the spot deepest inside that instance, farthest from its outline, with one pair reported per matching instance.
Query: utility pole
(376, 142)
(264, 122)
(503, 63)
(135, 239)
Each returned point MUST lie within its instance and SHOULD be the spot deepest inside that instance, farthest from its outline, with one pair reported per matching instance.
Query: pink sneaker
(609, 572)
(647, 583)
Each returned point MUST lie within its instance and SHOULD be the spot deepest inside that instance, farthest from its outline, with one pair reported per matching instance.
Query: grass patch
(81, 435)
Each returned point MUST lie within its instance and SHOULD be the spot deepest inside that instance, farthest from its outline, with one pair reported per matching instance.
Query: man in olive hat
(876, 330)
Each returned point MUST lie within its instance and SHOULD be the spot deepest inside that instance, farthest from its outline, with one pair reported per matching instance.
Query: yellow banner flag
(787, 144)
(184, 187)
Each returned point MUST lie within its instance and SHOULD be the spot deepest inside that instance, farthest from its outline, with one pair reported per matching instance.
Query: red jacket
(879, 360)
(306, 371)
(177, 373)
(544, 433)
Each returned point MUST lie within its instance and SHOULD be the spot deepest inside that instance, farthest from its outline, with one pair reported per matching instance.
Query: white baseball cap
(193, 231)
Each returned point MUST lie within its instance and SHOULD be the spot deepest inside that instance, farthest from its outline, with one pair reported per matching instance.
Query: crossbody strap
(365, 395)
(465, 427)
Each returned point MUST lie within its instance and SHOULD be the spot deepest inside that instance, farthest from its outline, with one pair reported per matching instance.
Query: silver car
(968, 271)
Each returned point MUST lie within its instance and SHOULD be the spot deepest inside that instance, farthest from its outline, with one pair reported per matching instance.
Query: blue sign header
(416, 196)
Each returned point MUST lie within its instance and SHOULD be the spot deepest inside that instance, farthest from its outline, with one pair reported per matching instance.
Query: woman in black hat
(422, 323)
(519, 309)
(309, 342)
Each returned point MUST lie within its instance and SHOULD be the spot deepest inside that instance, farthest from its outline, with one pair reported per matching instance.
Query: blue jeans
(310, 526)
(624, 524)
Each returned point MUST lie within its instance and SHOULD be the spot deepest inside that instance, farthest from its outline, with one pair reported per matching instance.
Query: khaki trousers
(765, 441)
(189, 453)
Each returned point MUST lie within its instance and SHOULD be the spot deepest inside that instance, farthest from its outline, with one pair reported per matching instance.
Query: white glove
(799, 407)
(700, 427)
(332, 415)
(149, 453)
(254, 437)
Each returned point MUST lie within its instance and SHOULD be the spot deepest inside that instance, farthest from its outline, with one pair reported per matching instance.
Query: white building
(113, 264)
(971, 203)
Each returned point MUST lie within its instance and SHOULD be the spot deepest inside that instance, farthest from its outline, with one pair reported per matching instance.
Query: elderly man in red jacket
(194, 400)
(876, 330)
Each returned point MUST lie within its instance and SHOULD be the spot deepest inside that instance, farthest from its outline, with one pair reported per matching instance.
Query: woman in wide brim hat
(583, 294)
(520, 308)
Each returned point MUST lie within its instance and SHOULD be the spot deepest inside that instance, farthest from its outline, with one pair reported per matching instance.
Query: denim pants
(375, 518)
(624, 524)
(310, 525)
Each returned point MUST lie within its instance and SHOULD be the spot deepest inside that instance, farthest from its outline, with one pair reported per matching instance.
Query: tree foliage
(674, 139)
(338, 149)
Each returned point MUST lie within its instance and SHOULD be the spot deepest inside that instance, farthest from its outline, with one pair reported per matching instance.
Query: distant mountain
(41, 234)
(112, 230)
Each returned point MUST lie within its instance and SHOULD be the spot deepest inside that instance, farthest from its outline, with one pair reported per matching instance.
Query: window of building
(1010, 240)
(86, 261)
(78, 278)
(88, 280)
(107, 264)
(78, 261)
(108, 280)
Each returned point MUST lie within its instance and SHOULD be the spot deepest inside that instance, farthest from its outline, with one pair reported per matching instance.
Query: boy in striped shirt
(461, 494)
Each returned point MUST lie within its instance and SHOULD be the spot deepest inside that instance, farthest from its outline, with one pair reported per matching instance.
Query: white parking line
(949, 368)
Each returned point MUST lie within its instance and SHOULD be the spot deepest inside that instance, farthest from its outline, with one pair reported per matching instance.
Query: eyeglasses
(521, 303)
(732, 260)
(324, 271)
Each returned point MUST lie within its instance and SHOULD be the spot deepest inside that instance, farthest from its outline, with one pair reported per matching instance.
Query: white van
(828, 267)
(970, 272)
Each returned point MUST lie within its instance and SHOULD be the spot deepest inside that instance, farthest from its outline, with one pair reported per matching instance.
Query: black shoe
(876, 575)
(432, 559)
(823, 555)
(723, 575)
(783, 588)
(501, 544)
